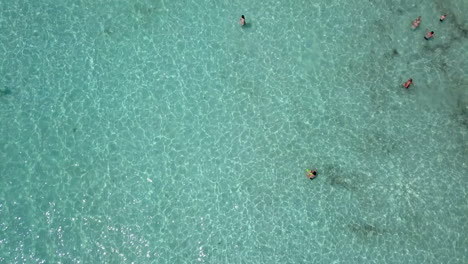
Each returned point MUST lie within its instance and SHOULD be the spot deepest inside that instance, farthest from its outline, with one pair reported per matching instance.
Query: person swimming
(408, 83)
(442, 18)
(416, 22)
(311, 173)
(429, 35)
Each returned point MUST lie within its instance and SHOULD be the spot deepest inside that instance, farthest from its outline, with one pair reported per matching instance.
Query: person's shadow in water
(247, 25)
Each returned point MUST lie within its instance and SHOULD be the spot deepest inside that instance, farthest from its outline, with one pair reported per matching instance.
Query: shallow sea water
(163, 132)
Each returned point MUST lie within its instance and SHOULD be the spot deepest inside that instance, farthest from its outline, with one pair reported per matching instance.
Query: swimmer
(442, 18)
(311, 173)
(429, 35)
(242, 20)
(416, 22)
(408, 83)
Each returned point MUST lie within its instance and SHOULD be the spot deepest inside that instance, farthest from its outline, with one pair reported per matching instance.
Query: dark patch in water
(464, 32)
(394, 53)
(247, 25)
(462, 116)
(144, 10)
(460, 27)
(5, 91)
(74, 129)
(108, 31)
(341, 182)
(444, 47)
(365, 229)
(443, 65)
(337, 180)
(382, 143)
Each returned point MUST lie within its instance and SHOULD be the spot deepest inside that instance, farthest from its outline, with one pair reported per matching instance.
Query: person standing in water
(429, 35)
(242, 20)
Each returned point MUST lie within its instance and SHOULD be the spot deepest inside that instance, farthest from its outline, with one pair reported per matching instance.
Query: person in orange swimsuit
(408, 83)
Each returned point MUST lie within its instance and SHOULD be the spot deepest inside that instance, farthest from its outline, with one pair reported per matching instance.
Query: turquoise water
(163, 132)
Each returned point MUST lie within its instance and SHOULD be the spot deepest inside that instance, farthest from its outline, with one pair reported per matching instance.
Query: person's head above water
(243, 16)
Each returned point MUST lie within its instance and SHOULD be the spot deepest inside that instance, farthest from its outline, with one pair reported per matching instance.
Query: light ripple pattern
(156, 131)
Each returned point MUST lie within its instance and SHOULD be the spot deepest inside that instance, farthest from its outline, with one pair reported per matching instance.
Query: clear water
(163, 132)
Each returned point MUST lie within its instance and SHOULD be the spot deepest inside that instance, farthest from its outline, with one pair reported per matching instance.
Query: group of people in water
(428, 36)
(311, 174)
